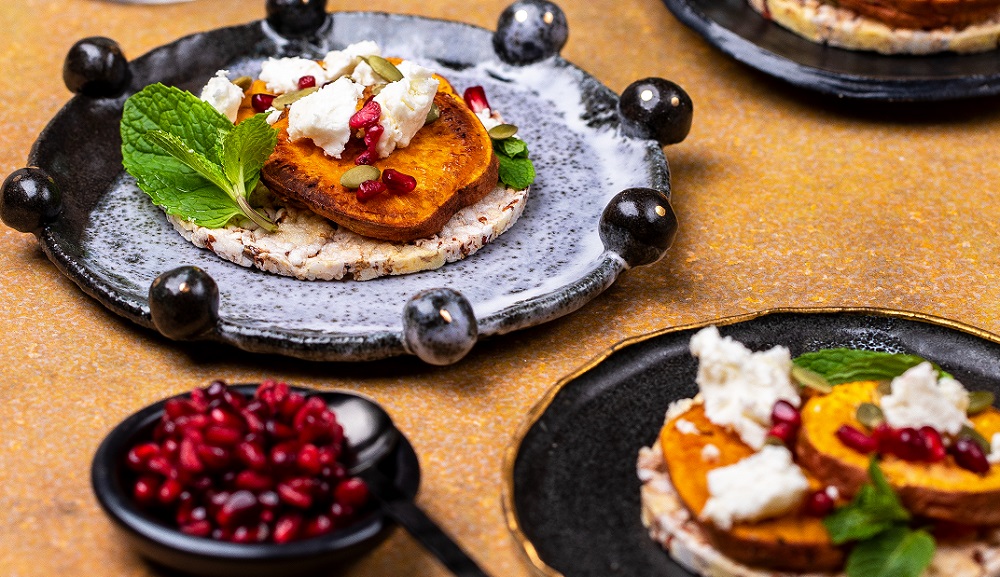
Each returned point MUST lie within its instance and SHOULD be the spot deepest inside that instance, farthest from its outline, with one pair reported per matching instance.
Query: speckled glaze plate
(571, 493)
(738, 30)
(113, 242)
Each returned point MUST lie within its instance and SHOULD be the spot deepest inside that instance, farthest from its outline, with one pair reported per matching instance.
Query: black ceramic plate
(571, 491)
(738, 30)
(113, 242)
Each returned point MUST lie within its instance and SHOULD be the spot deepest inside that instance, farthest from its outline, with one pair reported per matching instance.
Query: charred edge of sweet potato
(925, 15)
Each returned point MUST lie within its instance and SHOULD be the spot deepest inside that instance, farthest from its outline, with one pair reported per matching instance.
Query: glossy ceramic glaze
(114, 243)
(735, 28)
(571, 490)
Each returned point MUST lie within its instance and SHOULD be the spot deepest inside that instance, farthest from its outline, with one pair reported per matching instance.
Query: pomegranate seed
(312, 406)
(226, 419)
(307, 82)
(138, 457)
(234, 398)
(269, 500)
(397, 182)
(188, 457)
(215, 390)
(252, 455)
(239, 507)
(884, 436)
(261, 102)
(970, 456)
(146, 490)
(223, 435)
(213, 457)
(370, 189)
(197, 528)
(782, 432)
(318, 525)
(341, 514)
(253, 421)
(367, 117)
(283, 455)
(287, 528)
(279, 430)
(818, 504)
(169, 491)
(475, 98)
(294, 497)
(372, 135)
(253, 481)
(909, 445)
(308, 459)
(291, 406)
(933, 445)
(199, 400)
(176, 408)
(352, 492)
(785, 412)
(367, 157)
(335, 472)
(856, 440)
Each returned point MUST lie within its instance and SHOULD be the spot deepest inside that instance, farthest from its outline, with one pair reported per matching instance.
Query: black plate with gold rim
(571, 492)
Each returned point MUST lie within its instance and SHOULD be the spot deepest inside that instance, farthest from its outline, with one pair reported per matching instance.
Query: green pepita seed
(287, 98)
(810, 379)
(502, 131)
(383, 68)
(884, 388)
(353, 178)
(244, 82)
(869, 415)
(975, 435)
(979, 401)
(433, 114)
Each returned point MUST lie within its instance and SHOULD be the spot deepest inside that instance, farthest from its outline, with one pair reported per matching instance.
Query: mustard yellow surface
(784, 199)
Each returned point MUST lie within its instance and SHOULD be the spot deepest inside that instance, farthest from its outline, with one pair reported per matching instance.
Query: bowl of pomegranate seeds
(248, 480)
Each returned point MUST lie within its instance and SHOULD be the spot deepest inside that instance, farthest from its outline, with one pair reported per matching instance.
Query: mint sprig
(878, 524)
(191, 160)
(842, 365)
(516, 169)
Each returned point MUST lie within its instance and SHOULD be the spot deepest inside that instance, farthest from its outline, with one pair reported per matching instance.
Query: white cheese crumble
(832, 492)
(282, 74)
(323, 116)
(994, 456)
(764, 485)
(679, 407)
(487, 118)
(223, 95)
(740, 387)
(686, 427)
(343, 62)
(920, 399)
(405, 104)
(710, 453)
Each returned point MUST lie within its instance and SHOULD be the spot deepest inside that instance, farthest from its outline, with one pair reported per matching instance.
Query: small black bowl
(167, 546)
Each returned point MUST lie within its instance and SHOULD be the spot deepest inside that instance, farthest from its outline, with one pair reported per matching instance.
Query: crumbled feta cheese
(342, 62)
(486, 117)
(282, 74)
(223, 95)
(686, 427)
(323, 116)
(679, 407)
(832, 492)
(740, 387)
(920, 399)
(764, 485)
(364, 75)
(710, 453)
(273, 116)
(994, 456)
(405, 104)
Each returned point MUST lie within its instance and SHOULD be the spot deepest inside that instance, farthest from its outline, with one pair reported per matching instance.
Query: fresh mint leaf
(874, 509)
(190, 159)
(516, 173)
(841, 365)
(516, 169)
(896, 552)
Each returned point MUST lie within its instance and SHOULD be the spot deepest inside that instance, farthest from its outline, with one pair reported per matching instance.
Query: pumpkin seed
(979, 401)
(353, 178)
(433, 114)
(975, 435)
(280, 102)
(502, 131)
(884, 388)
(869, 415)
(383, 68)
(810, 379)
(244, 82)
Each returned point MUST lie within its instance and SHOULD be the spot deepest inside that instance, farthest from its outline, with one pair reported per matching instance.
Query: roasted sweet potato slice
(794, 542)
(452, 160)
(940, 490)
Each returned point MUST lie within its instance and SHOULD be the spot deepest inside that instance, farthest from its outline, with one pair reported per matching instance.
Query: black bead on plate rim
(184, 303)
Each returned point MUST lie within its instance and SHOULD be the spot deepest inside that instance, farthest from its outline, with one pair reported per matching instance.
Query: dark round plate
(113, 242)
(738, 30)
(571, 492)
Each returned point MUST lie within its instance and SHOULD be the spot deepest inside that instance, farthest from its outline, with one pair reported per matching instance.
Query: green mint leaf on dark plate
(516, 169)
(875, 509)
(897, 552)
(190, 159)
(848, 365)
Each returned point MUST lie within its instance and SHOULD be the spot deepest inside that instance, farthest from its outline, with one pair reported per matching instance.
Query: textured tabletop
(784, 198)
